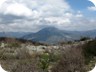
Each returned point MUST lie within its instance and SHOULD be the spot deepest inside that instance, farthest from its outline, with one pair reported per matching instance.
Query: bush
(13, 45)
(89, 50)
(24, 66)
(44, 62)
(1, 54)
(23, 53)
(84, 38)
(72, 60)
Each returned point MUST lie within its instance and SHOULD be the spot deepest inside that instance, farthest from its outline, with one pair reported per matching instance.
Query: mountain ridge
(54, 35)
(51, 35)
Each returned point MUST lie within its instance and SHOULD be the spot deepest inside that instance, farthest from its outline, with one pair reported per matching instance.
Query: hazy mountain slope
(13, 34)
(52, 35)
(90, 33)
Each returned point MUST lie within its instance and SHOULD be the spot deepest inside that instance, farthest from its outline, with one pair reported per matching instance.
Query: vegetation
(69, 57)
(44, 62)
(13, 45)
(84, 38)
(72, 60)
(89, 50)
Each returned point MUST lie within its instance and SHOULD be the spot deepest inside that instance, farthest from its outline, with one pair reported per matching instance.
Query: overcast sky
(33, 15)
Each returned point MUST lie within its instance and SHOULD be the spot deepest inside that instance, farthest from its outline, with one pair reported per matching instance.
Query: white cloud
(79, 15)
(92, 8)
(18, 9)
(24, 7)
(94, 2)
(41, 13)
(58, 20)
(72, 23)
(1, 2)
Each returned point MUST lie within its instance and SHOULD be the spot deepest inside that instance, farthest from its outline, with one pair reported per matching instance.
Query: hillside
(50, 35)
(19, 41)
(54, 35)
(13, 34)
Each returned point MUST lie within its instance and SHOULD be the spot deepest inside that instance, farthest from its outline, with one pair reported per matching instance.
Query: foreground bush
(89, 50)
(25, 66)
(72, 60)
(14, 44)
(69, 59)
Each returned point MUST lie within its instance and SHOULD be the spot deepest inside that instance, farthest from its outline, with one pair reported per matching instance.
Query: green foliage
(67, 42)
(14, 44)
(44, 61)
(54, 57)
(84, 38)
(89, 50)
(47, 59)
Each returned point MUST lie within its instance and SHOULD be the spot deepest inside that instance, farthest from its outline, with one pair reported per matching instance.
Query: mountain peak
(54, 35)
(49, 29)
(52, 30)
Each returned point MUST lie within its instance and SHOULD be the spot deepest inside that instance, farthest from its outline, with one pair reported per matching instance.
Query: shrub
(89, 50)
(24, 66)
(14, 45)
(1, 54)
(23, 53)
(84, 38)
(72, 60)
(44, 62)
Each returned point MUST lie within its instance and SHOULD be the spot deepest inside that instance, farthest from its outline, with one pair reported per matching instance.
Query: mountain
(13, 34)
(50, 35)
(90, 33)
(53, 35)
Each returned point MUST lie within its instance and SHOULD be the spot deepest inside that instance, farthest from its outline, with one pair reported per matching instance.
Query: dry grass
(64, 59)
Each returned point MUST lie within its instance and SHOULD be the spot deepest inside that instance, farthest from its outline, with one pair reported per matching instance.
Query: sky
(33, 15)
